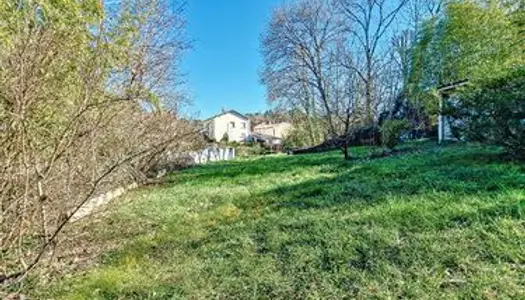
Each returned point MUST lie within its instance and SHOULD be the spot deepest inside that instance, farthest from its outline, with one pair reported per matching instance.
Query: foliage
(275, 115)
(307, 130)
(436, 222)
(250, 150)
(297, 137)
(74, 79)
(494, 112)
(391, 131)
(470, 40)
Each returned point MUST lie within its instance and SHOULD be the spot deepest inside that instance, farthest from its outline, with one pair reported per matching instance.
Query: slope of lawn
(431, 223)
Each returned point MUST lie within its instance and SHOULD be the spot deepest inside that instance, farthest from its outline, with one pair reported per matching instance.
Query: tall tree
(297, 54)
(369, 24)
(471, 40)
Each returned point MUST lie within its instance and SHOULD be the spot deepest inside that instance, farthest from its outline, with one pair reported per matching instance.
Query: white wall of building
(237, 128)
(279, 130)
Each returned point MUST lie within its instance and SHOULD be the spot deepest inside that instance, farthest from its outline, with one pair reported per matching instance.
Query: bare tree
(305, 50)
(405, 102)
(297, 53)
(370, 26)
(348, 62)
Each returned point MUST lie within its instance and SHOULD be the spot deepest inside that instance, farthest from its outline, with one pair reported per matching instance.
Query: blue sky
(222, 68)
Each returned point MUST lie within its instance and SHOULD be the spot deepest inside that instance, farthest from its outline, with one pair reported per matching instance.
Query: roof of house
(265, 125)
(232, 111)
(266, 138)
(452, 86)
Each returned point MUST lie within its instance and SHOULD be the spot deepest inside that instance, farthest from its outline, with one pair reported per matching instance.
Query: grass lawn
(432, 223)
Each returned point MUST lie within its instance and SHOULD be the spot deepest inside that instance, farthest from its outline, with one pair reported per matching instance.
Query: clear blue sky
(223, 66)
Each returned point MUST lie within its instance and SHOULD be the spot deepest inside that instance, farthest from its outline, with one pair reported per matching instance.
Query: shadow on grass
(457, 172)
(333, 226)
(454, 171)
(266, 166)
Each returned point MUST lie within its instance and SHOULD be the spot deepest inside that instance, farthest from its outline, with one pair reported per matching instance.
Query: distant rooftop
(231, 111)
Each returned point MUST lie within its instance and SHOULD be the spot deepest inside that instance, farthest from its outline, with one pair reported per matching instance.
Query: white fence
(212, 154)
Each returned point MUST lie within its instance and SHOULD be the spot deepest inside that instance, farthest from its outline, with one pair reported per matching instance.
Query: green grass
(432, 223)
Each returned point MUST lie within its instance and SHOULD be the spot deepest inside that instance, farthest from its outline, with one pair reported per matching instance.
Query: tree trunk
(346, 152)
(369, 101)
(310, 108)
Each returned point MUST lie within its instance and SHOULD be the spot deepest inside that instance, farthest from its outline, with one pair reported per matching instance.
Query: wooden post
(441, 129)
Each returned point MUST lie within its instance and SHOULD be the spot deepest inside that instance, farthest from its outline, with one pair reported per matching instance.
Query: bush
(391, 131)
(233, 144)
(250, 150)
(87, 125)
(494, 112)
(297, 137)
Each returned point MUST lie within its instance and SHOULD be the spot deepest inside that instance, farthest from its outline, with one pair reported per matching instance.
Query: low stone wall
(92, 204)
(204, 156)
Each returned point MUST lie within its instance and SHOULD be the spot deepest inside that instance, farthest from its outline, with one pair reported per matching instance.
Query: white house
(278, 130)
(230, 123)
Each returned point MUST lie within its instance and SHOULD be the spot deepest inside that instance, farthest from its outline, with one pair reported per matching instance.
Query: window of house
(232, 124)
(243, 125)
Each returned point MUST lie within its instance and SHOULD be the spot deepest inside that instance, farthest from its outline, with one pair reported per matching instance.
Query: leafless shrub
(83, 97)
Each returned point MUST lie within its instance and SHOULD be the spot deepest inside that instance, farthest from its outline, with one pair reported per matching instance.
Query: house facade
(230, 123)
(278, 130)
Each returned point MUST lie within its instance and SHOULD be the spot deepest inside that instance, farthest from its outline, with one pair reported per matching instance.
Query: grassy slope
(436, 223)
